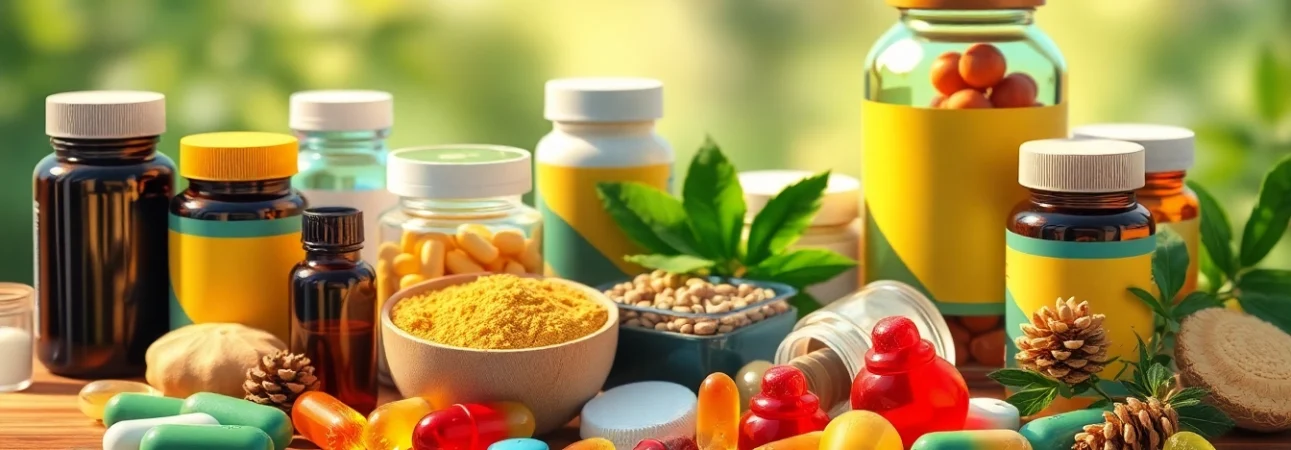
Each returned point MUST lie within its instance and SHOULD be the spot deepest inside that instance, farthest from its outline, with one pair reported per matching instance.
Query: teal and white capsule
(1057, 430)
(205, 437)
(972, 440)
(519, 444)
(128, 434)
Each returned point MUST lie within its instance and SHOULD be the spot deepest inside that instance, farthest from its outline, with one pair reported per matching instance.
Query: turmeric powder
(501, 312)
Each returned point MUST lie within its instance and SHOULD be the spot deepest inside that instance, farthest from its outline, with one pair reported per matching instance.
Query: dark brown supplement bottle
(333, 306)
(100, 204)
(1080, 235)
(235, 231)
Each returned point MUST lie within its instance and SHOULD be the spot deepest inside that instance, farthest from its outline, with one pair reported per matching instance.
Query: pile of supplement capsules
(725, 306)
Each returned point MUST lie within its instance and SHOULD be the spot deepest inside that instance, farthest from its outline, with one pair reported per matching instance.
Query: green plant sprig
(1169, 271)
(702, 233)
(1229, 266)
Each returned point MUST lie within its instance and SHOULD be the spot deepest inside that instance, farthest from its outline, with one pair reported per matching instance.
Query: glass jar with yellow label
(951, 91)
(460, 211)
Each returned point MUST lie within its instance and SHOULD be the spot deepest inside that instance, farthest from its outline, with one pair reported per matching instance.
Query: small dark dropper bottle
(333, 306)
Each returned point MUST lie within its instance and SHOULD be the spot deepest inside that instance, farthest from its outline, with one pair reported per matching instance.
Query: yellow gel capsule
(390, 426)
(385, 286)
(387, 251)
(410, 279)
(531, 259)
(476, 228)
(408, 241)
(497, 266)
(477, 246)
(513, 268)
(808, 441)
(509, 242)
(456, 261)
(94, 397)
(860, 430)
(432, 258)
(592, 444)
(447, 239)
(406, 264)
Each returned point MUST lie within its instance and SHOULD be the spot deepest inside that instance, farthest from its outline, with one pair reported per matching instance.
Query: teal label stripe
(178, 318)
(235, 228)
(1014, 318)
(1079, 249)
(571, 256)
(883, 263)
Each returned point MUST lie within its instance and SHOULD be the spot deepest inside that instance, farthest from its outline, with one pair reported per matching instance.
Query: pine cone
(1066, 343)
(279, 379)
(1133, 425)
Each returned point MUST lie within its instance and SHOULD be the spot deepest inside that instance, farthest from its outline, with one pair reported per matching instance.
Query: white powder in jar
(15, 358)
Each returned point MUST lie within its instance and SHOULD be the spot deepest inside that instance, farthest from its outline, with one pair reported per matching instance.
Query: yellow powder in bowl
(501, 312)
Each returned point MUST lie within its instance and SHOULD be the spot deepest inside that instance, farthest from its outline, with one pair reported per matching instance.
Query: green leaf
(1271, 308)
(801, 268)
(1033, 400)
(1188, 397)
(805, 303)
(1266, 281)
(714, 200)
(670, 263)
(1144, 361)
(1152, 303)
(649, 217)
(1194, 302)
(1157, 377)
(1163, 359)
(1272, 87)
(1270, 215)
(1214, 277)
(1216, 232)
(1019, 378)
(1100, 404)
(1205, 420)
(783, 220)
(1169, 263)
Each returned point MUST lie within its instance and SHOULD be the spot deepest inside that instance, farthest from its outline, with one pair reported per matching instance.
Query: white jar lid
(1166, 148)
(1081, 165)
(840, 205)
(341, 110)
(646, 410)
(105, 114)
(459, 171)
(604, 100)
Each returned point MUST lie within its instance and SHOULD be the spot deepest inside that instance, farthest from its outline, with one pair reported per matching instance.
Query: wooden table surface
(45, 417)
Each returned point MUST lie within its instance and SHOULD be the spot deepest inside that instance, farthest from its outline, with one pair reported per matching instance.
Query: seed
(651, 316)
(681, 309)
(705, 328)
(756, 316)
(661, 326)
(643, 304)
(725, 289)
(633, 322)
(725, 329)
(687, 329)
(697, 309)
(632, 297)
(744, 289)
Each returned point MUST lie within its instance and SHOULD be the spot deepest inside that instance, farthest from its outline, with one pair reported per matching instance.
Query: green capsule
(235, 411)
(205, 437)
(1056, 431)
(131, 406)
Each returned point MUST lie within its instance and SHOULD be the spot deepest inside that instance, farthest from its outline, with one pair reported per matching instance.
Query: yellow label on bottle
(1190, 231)
(233, 271)
(938, 185)
(581, 242)
(1038, 272)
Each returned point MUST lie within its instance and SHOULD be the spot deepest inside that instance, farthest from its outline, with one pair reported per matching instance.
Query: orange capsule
(1017, 90)
(967, 99)
(982, 66)
(938, 101)
(945, 74)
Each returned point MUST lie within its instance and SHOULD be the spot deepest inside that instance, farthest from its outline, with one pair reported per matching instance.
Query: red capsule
(472, 426)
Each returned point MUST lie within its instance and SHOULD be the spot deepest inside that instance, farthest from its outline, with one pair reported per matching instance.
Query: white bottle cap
(839, 206)
(105, 114)
(1081, 165)
(646, 410)
(459, 172)
(1167, 148)
(604, 100)
(341, 110)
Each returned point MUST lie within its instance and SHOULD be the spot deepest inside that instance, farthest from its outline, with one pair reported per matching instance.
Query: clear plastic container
(15, 336)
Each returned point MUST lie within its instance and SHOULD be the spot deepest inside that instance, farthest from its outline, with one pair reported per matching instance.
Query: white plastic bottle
(602, 130)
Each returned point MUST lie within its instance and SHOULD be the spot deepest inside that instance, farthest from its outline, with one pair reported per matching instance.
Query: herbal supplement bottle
(460, 211)
(1168, 154)
(951, 91)
(343, 152)
(235, 231)
(100, 203)
(602, 130)
(1081, 234)
(333, 306)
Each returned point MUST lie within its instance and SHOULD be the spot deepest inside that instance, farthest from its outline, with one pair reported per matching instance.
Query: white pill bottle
(603, 130)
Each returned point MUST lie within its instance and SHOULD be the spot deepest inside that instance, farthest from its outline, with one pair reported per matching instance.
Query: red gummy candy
(676, 443)
(784, 409)
(908, 384)
(650, 444)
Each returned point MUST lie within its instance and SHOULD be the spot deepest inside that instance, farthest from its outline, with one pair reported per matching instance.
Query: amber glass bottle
(100, 204)
(1080, 234)
(1168, 152)
(333, 306)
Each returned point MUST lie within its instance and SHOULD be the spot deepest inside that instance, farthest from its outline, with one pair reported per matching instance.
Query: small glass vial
(829, 345)
(1080, 235)
(460, 211)
(1168, 154)
(100, 202)
(333, 306)
(15, 336)
(835, 226)
(343, 152)
(235, 231)
(603, 130)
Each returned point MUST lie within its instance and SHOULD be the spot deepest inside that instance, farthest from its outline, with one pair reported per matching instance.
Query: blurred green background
(777, 82)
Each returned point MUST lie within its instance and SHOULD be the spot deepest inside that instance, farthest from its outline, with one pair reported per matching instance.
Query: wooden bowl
(553, 381)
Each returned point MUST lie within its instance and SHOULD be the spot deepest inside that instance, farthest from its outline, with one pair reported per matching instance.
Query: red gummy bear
(907, 383)
(676, 443)
(784, 409)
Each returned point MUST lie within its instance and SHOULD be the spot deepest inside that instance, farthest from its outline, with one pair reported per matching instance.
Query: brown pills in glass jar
(693, 295)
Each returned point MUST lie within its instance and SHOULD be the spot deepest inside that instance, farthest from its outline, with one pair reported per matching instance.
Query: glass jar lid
(459, 171)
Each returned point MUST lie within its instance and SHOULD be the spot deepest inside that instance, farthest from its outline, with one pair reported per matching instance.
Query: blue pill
(519, 444)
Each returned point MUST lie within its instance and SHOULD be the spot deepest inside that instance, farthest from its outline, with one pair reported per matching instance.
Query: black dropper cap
(333, 227)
